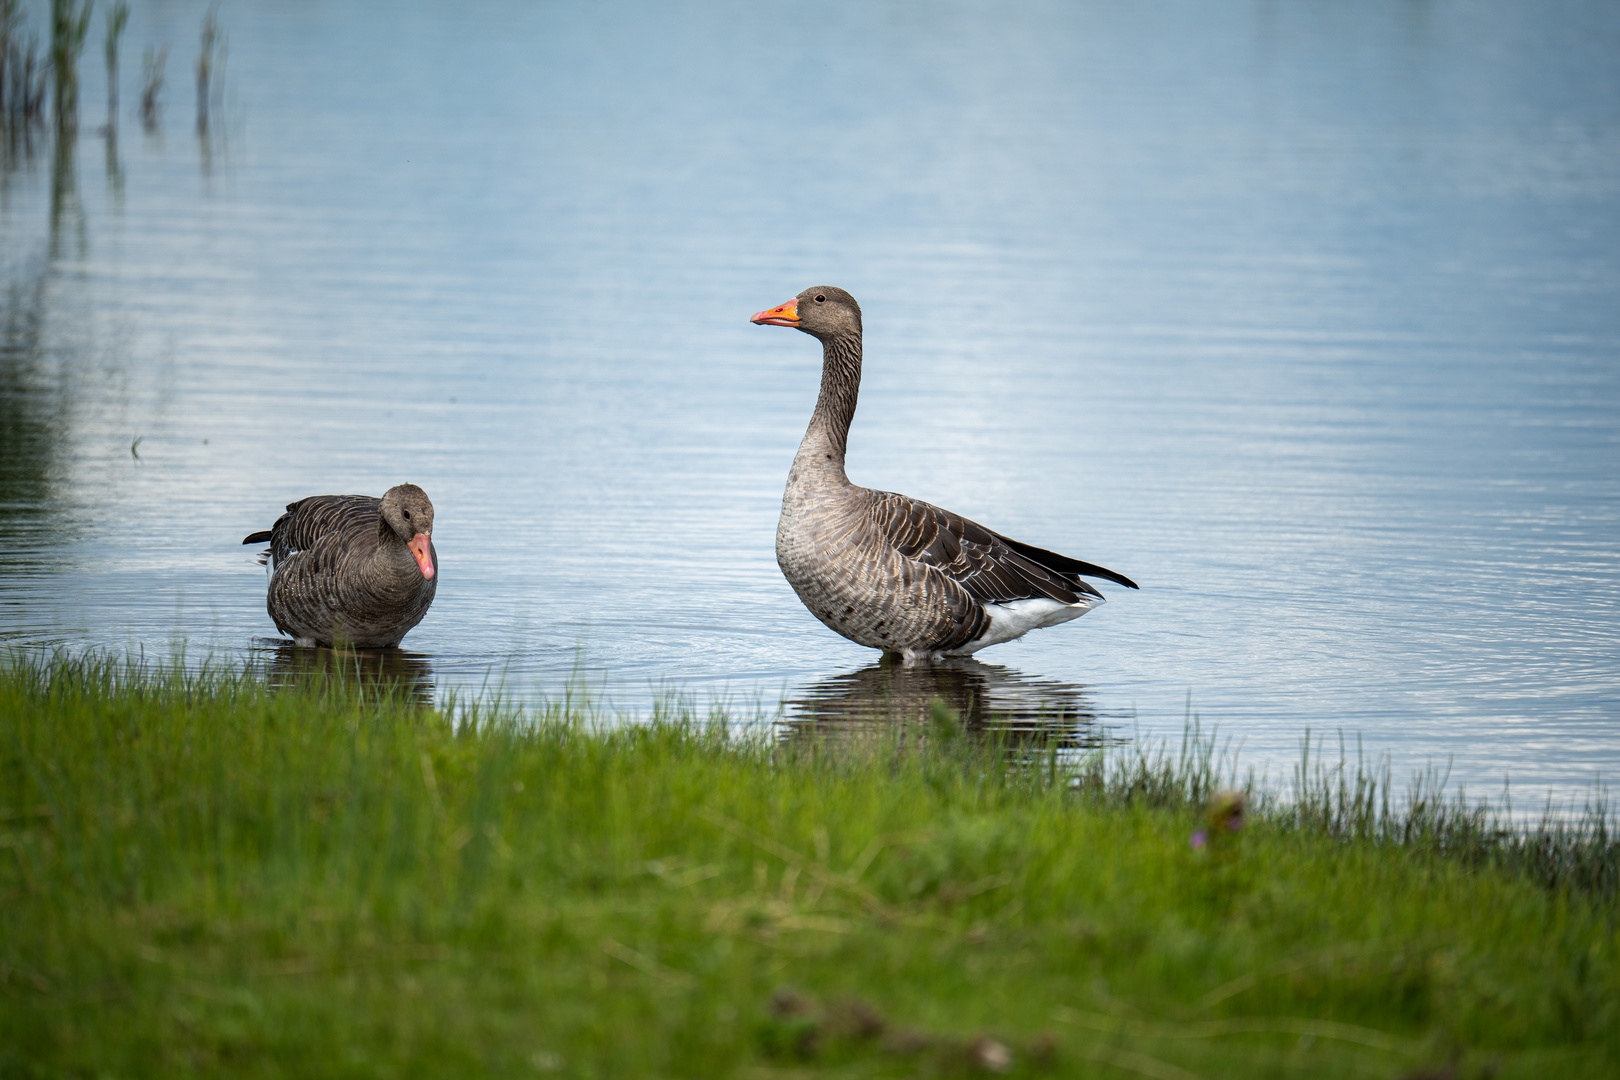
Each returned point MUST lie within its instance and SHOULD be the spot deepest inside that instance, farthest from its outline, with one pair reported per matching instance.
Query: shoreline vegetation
(204, 875)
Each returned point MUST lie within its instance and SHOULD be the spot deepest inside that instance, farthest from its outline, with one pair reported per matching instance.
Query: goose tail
(260, 537)
(1067, 566)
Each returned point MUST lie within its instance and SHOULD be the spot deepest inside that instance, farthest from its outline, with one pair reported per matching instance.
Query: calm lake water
(1305, 316)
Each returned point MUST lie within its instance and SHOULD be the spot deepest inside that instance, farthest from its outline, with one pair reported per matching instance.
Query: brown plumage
(352, 569)
(891, 572)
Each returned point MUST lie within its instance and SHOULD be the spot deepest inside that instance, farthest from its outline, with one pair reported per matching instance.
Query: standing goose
(351, 568)
(892, 572)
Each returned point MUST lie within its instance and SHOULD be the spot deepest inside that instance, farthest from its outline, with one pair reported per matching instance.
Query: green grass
(200, 876)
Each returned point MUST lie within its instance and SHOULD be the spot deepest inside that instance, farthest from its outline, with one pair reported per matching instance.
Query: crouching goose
(891, 572)
(352, 569)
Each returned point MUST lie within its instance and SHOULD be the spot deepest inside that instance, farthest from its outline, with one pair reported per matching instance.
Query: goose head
(407, 512)
(823, 312)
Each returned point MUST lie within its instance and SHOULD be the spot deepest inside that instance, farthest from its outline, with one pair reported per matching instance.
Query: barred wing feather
(992, 568)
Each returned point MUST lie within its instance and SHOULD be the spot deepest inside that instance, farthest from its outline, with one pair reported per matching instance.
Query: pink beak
(781, 315)
(421, 546)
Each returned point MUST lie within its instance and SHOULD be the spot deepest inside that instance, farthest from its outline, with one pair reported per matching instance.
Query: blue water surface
(1306, 316)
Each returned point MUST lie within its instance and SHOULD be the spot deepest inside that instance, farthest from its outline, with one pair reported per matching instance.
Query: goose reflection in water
(407, 676)
(987, 699)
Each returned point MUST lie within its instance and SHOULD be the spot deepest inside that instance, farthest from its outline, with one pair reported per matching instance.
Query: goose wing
(992, 568)
(322, 524)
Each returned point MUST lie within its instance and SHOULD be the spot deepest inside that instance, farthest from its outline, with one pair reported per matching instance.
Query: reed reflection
(115, 167)
(985, 700)
(66, 208)
(406, 676)
(34, 422)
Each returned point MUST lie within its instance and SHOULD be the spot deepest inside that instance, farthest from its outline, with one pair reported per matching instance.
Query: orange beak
(421, 546)
(781, 315)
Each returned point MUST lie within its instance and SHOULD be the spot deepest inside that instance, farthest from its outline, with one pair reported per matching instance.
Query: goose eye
(820, 299)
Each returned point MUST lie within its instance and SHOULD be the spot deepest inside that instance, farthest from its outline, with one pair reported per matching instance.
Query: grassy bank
(201, 877)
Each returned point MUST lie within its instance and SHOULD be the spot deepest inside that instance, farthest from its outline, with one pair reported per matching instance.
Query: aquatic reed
(153, 61)
(22, 75)
(200, 875)
(210, 64)
(70, 23)
(117, 19)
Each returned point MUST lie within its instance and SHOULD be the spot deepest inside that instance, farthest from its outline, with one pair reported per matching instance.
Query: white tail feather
(1018, 617)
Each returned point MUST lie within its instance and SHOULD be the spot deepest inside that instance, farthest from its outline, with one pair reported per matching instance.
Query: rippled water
(1305, 316)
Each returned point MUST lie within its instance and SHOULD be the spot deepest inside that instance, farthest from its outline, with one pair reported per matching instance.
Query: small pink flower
(1199, 839)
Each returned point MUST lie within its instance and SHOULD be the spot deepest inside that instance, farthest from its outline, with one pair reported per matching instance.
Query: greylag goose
(892, 572)
(352, 569)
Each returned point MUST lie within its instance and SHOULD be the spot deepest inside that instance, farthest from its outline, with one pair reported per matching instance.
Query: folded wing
(992, 568)
(339, 523)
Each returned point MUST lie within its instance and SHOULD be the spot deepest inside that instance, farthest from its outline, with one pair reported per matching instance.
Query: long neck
(828, 434)
(393, 561)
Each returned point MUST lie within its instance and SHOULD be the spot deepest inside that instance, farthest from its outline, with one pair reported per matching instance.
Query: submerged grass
(201, 876)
